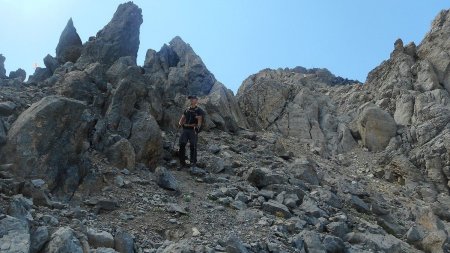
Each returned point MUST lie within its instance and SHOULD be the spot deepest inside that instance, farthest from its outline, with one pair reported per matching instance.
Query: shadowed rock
(69, 45)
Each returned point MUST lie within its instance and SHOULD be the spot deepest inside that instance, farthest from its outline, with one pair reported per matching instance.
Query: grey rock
(119, 181)
(39, 75)
(175, 208)
(359, 204)
(51, 63)
(309, 206)
(106, 205)
(333, 244)
(14, 235)
(120, 37)
(234, 245)
(39, 238)
(64, 240)
(3, 134)
(58, 138)
(121, 154)
(165, 179)
(38, 183)
(261, 177)
(414, 235)
(305, 171)
(19, 207)
(329, 198)
(276, 209)
(312, 242)
(238, 205)
(291, 201)
(100, 239)
(146, 138)
(19, 73)
(339, 229)
(7, 108)
(78, 85)
(214, 149)
(123, 242)
(69, 45)
(103, 250)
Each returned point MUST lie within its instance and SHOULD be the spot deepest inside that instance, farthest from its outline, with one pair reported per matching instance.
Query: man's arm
(182, 121)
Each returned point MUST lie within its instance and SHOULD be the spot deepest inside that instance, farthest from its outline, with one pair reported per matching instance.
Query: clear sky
(235, 38)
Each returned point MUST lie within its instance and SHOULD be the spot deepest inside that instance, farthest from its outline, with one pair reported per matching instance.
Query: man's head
(193, 99)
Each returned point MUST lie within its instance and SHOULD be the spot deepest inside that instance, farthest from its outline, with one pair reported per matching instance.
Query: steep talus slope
(299, 161)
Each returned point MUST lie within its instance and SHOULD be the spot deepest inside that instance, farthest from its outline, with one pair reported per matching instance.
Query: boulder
(77, 84)
(276, 209)
(3, 134)
(69, 45)
(19, 207)
(121, 154)
(39, 238)
(46, 141)
(123, 242)
(234, 245)
(14, 235)
(376, 127)
(64, 240)
(146, 138)
(19, 73)
(165, 179)
(100, 239)
(120, 37)
(261, 177)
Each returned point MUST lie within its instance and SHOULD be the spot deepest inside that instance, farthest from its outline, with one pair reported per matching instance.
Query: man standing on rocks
(191, 121)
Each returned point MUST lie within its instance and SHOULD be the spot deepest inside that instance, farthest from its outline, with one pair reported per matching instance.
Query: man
(191, 121)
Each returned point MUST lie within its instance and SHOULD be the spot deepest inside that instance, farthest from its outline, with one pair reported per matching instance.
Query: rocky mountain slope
(298, 161)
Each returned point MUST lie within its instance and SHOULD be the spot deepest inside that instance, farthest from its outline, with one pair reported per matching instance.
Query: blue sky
(235, 38)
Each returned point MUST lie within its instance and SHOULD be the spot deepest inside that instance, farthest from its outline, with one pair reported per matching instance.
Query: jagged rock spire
(69, 45)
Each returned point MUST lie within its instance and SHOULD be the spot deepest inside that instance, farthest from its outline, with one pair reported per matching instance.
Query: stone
(39, 75)
(121, 154)
(51, 63)
(165, 179)
(78, 85)
(234, 245)
(100, 239)
(291, 201)
(146, 138)
(106, 205)
(14, 235)
(7, 108)
(69, 45)
(339, 228)
(276, 209)
(39, 238)
(414, 235)
(312, 242)
(359, 204)
(103, 250)
(261, 177)
(38, 183)
(120, 37)
(376, 127)
(333, 244)
(305, 171)
(19, 207)
(19, 74)
(64, 240)
(123, 242)
(3, 134)
(59, 138)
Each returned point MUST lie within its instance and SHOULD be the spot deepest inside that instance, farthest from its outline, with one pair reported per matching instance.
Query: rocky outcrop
(120, 37)
(176, 71)
(2, 66)
(291, 102)
(47, 141)
(19, 73)
(69, 45)
(15, 235)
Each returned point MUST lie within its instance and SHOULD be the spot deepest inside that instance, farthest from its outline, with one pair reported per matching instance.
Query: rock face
(46, 141)
(177, 71)
(120, 37)
(291, 102)
(69, 45)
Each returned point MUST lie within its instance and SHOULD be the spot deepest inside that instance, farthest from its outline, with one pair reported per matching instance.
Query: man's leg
(182, 152)
(193, 146)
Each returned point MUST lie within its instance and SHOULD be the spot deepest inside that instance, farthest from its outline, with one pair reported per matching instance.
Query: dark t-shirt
(191, 115)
